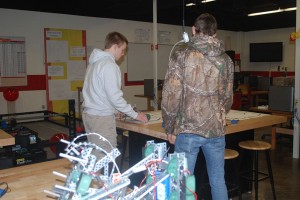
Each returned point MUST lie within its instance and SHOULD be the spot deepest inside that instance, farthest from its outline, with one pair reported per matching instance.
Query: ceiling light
(190, 4)
(290, 9)
(206, 1)
(203, 1)
(272, 11)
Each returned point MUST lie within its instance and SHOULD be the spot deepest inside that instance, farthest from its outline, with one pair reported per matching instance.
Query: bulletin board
(140, 61)
(65, 58)
(12, 61)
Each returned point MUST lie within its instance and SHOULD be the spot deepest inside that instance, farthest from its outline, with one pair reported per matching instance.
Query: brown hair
(114, 38)
(206, 24)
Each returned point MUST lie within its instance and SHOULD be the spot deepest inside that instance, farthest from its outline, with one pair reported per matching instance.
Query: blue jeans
(213, 150)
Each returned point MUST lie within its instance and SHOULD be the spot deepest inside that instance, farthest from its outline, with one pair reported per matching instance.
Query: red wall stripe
(84, 43)
(34, 82)
(131, 83)
(252, 73)
(38, 82)
(266, 73)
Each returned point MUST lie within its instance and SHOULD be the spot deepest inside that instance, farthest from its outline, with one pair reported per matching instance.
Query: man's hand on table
(142, 117)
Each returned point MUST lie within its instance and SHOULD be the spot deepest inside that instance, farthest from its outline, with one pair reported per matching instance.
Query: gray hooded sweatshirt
(101, 91)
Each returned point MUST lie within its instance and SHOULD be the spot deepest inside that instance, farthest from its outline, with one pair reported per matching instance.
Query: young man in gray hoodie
(102, 93)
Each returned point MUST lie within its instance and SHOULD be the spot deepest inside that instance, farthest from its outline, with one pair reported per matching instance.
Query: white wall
(31, 25)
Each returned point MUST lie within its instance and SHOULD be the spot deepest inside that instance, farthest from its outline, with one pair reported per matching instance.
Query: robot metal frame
(93, 177)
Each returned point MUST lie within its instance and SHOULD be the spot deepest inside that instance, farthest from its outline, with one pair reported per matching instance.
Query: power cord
(185, 39)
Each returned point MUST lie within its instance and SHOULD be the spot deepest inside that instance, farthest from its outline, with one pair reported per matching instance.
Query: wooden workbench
(156, 130)
(273, 112)
(6, 139)
(29, 182)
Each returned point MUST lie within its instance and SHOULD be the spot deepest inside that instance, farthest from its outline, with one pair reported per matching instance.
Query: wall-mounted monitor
(266, 52)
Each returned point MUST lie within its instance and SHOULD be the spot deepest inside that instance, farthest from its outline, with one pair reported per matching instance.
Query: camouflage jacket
(197, 91)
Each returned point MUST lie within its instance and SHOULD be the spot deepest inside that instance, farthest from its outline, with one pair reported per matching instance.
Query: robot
(93, 178)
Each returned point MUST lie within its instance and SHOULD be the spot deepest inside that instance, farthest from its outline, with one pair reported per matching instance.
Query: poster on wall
(65, 58)
(12, 61)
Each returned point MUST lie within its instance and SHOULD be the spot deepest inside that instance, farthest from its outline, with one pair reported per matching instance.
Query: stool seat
(230, 154)
(126, 133)
(255, 145)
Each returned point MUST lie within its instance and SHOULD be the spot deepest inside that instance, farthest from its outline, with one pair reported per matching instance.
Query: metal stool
(231, 154)
(256, 146)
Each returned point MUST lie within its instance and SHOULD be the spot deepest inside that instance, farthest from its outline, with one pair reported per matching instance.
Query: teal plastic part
(190, 182)
(148, 150)
(174, 195)
(172, 168)
(149, 179)
(75, 176)
(84, 184)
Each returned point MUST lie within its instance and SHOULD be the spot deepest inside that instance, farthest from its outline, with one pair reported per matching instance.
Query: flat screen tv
(266, 52)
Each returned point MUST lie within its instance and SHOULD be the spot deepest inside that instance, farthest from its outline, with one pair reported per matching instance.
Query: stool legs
(270, 173)
(237, 179)
(256, 174)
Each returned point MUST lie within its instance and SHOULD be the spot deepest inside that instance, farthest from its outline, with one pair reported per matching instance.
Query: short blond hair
(114, 38)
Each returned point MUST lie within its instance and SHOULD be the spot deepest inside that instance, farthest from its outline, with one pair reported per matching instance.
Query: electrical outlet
(296, 101)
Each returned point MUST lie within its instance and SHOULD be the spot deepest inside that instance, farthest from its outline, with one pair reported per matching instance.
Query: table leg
(273, 140)
(256, 100)
(149, 107)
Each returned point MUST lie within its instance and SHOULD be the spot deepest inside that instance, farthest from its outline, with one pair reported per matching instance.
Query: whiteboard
(140, 61)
